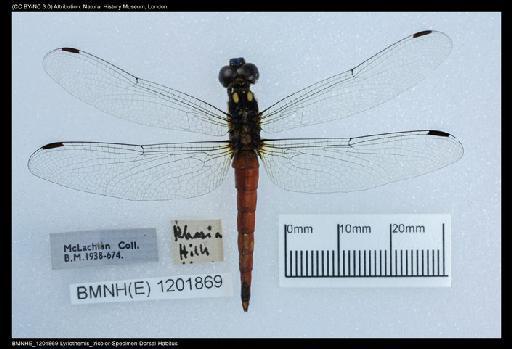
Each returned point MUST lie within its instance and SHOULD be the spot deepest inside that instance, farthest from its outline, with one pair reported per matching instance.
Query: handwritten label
(197, 241)
(146, 289)
(101, 247)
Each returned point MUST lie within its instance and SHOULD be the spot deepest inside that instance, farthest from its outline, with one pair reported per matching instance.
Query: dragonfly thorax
(244, 130)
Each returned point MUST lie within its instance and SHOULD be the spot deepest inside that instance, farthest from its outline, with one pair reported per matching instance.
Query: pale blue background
(185, 51)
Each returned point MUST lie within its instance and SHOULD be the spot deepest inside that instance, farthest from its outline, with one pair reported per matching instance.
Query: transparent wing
(134, 172)
(328, 165)
(378, 79)
(117, 92)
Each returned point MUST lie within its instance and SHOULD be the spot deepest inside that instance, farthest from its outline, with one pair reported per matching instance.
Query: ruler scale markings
(412, 262)
(444, 272)
(390, 251)
(343, 262)
(374, 262)
(433, 262)
(437, 261)
(353, 262)
(401, 262)
(312, 263)
(417, 263)
(385, 262)
(290, 266)
(332, 266)
(422, 262)
(296, 262)
(327, 263)
(406, 262)
(307, 263)
(349, 258)
(364, 262)
(323, 262)
(380, 262)
(301, 264)
(370, 262)
(411, 252)
(327, 260)
(291, 263)
(359, 261)
(290, 273)
(428, 262)
(396, 262)
(285, 253)
(332, 256)
(317, 262)
(338, 238)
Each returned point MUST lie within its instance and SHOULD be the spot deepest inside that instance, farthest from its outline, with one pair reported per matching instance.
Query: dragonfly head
(238, 73)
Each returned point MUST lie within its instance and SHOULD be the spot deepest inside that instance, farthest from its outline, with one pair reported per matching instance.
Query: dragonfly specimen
(183, 170)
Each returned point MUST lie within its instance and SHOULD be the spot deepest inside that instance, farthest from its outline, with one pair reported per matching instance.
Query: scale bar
(357, 263)
(373, 276)
(418, 247)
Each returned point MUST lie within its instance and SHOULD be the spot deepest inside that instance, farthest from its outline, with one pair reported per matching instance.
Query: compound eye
(249, 72)
(226, 76)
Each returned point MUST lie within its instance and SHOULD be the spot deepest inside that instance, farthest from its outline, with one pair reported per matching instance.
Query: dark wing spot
(438, 133)
(70, 49)
(53, 145)
(418, 34)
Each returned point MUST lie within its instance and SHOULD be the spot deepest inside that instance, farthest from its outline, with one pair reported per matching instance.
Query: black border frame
(322, 5)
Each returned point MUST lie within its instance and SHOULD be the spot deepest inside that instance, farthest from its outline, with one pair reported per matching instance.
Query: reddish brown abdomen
(246, 165)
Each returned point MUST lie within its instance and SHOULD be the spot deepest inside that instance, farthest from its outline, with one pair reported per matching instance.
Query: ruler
(396, 250)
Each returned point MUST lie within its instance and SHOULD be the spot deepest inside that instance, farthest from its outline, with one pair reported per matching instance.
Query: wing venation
(134, 172)
(117, 92)
(383, 76)
(329, 165)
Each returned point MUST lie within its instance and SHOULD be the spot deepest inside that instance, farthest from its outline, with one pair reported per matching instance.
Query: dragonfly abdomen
(246, 165)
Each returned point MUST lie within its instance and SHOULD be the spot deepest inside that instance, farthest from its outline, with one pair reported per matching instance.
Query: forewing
(328, 165)
(378, 79)
(117, 92)
(134, 172)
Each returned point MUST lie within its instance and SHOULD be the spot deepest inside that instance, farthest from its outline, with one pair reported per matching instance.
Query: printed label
(365, 250)
(145, 289)
(102, 247)
(197, 241)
